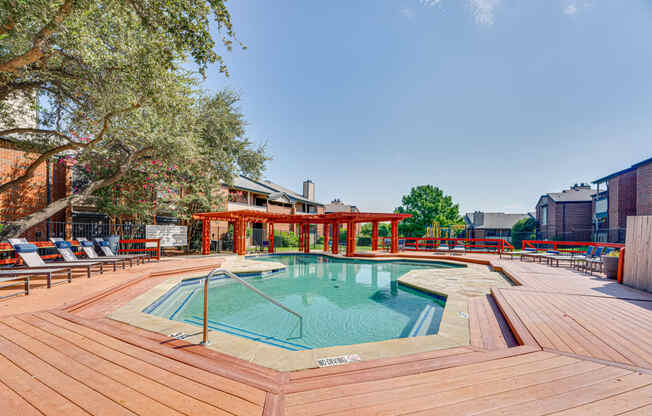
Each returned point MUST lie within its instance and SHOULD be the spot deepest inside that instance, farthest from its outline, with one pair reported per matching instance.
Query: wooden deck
(560, 343)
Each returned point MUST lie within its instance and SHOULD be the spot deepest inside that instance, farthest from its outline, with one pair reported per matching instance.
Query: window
(601, 205)
(544, 215)
(260, 202)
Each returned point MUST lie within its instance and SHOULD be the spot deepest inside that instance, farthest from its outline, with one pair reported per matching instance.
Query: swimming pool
(342, 301)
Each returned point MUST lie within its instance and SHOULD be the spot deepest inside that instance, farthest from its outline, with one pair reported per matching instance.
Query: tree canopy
(525, 229)
(426, 203)
(113, 98)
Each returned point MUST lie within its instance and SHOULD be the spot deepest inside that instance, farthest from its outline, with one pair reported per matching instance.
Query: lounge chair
(29, 255)
(459, 248)
(443, 248)
(596, 260)
(64, 248)
(519, 253)
(106, 249)
(7, 275)
(586, 262)
(538, 255)
(89, 249)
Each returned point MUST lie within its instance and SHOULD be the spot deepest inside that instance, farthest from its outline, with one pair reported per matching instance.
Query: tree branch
(37, 131)
(17, 228)
(36, 52)
(31, 170)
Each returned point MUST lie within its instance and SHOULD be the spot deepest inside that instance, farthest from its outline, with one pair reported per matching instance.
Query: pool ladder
(248, 286)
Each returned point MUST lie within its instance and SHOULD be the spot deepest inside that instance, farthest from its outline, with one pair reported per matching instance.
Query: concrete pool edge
(453, 332)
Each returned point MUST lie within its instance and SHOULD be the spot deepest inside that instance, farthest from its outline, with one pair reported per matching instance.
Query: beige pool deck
(557, 342)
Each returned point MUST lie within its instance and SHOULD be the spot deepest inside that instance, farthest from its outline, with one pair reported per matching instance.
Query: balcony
(237, 206)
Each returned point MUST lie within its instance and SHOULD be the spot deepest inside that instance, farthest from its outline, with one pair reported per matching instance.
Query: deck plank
(167, 384)
(79, 393)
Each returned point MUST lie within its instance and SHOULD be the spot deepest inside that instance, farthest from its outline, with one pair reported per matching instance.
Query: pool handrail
(248, 286)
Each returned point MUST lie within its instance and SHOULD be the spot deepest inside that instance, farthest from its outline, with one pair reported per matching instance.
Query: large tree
(426, 203)
(109, 87)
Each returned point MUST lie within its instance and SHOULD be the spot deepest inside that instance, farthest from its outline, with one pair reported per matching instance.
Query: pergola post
(242, 235)
(335, 230)
(394, 248)
(205, 237)
(270, 237)
(326, 230)
(235, 236)
(374, 236)
(350, 239)
(306, 238)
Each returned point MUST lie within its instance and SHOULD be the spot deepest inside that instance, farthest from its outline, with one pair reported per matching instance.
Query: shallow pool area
(342, 302)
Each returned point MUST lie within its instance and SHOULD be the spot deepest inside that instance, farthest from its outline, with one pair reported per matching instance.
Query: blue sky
(494, 101)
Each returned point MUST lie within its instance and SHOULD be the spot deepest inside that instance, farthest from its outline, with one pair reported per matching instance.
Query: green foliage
(426, 203)
(285, 239)
(524, 229)
(384, 230)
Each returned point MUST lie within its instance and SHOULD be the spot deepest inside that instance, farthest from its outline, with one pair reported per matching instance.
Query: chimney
(309, 190)
(478, 218)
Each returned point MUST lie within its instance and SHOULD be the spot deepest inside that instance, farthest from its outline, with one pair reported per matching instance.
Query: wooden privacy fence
(638, 259)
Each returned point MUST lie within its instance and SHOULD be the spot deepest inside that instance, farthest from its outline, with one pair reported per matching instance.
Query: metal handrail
(248, 286)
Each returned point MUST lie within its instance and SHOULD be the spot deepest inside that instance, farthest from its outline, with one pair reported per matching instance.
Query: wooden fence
(638, 256)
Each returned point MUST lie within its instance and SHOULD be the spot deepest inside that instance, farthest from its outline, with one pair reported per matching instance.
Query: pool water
(342, 302)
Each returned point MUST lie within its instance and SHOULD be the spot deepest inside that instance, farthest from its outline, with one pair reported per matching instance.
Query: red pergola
(240, 220)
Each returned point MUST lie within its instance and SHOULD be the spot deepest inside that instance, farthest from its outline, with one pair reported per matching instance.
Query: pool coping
(453, 329)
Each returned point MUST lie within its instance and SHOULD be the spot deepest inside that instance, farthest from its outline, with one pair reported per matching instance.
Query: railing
(248, 286)
(476, 245)
(565, 246)
(143, 246)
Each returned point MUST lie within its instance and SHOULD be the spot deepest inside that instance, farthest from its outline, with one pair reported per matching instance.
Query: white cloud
(483, 10)
(408, 13)
(576, 6)
(570, 9)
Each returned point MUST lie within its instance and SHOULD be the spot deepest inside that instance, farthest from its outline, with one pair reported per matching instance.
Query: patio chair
(89, 249)
(106, 250)
(29, 255)
(65, 249)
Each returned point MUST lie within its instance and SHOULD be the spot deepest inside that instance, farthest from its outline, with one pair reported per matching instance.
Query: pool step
(245, 333)
(423, 323)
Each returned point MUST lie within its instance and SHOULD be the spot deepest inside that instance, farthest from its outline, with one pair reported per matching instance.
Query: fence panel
(638, 255)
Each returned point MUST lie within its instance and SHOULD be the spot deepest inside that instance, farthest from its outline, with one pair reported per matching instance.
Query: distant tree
(426, 203)
(524, 229)
(384, 230)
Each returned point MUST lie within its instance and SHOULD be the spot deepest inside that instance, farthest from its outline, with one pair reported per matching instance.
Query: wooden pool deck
(559, 343)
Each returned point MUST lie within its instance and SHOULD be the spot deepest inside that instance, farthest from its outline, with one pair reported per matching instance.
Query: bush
(525, 229)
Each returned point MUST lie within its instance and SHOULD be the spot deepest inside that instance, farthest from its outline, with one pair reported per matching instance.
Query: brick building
(566, 215)
(626, 193)
(267, 196)
(492, 224)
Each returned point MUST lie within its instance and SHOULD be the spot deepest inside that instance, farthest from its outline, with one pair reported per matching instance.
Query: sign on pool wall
(170, 235)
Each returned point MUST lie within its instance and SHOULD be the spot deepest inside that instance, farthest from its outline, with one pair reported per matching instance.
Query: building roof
(266, 187)
(620, 172)
(493, 220)
(338, 206)
(573, 195)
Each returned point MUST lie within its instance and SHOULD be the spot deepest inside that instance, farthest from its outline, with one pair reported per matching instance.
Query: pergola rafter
(241, 218)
